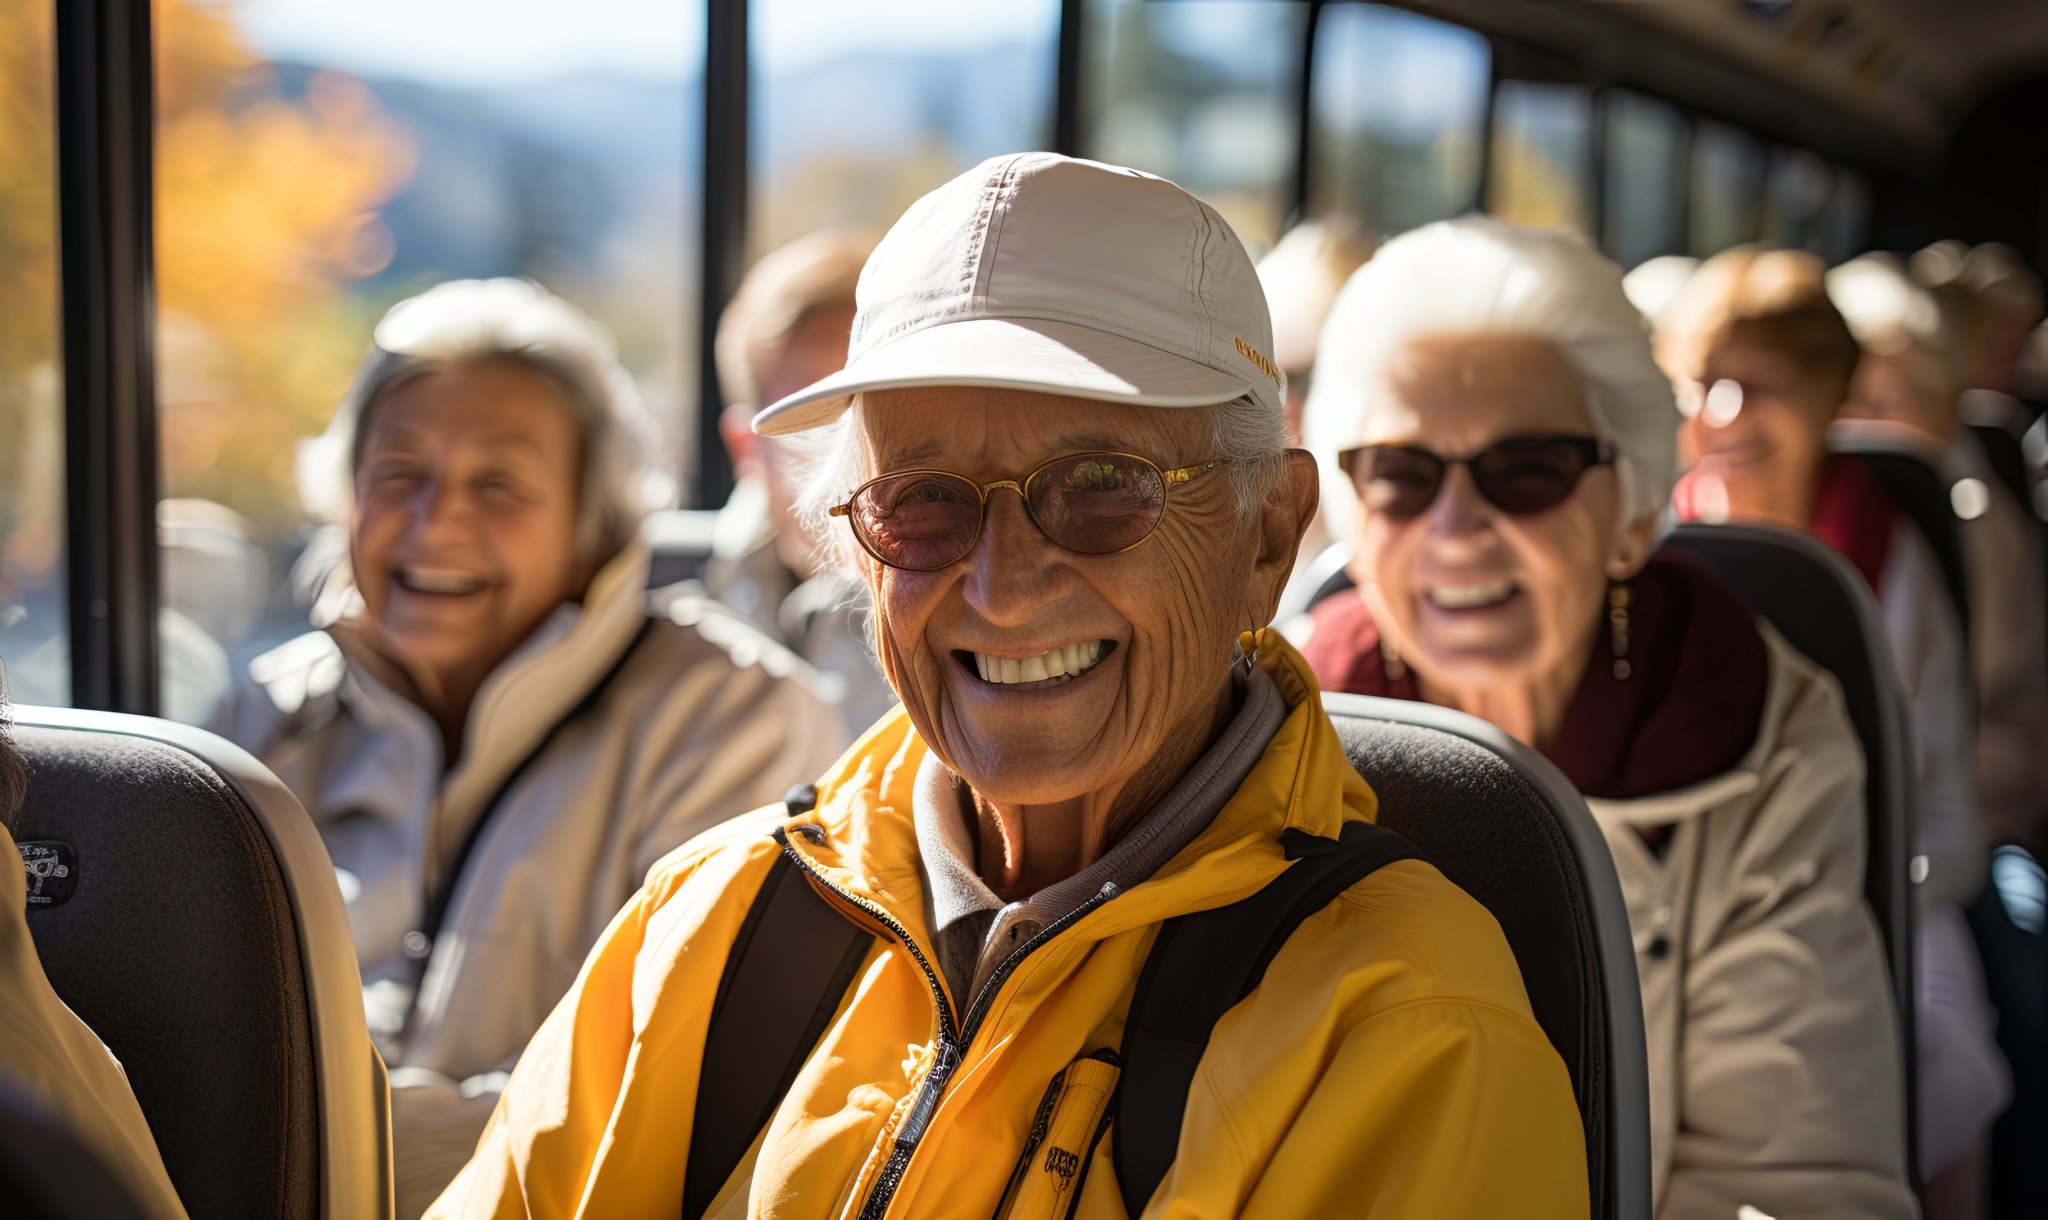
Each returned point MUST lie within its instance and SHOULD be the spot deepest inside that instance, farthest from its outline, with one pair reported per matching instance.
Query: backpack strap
(793, 959)
(1200, 967)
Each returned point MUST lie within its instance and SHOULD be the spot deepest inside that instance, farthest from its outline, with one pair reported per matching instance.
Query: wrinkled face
(463, 534)
(1151, 629)
(1472, 596)
(1756, 428)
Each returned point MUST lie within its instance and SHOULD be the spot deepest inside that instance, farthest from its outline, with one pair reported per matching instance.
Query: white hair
(1481, 275)
(462, 321)
(835, 463)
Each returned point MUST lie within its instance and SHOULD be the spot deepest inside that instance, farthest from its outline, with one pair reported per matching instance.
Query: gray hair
(1478, 275)
(469, 320)
(1251, 435)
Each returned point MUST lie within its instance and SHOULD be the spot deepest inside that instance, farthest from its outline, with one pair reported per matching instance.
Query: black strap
(1200, 967)
(769, 1011)
(437, 901)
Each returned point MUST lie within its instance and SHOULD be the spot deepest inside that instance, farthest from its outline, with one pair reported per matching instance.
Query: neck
(1530, 712)
(1027, 847)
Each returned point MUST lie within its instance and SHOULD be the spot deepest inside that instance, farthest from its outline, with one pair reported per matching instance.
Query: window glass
(1727, 179)
(33, 624)
(1645, 178)
(1203, 92)
(1796, 200)
(1398, 114)
(1541, 169)
(856, 110)
(316, 163)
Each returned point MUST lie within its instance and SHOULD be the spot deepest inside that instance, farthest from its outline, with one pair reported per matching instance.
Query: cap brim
(1015, 354)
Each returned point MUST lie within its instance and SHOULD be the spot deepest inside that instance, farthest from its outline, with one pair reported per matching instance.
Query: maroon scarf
(1688, 711)
(1851, 514)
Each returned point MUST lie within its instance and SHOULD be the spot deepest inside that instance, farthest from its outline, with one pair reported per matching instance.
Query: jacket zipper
(953, 1043)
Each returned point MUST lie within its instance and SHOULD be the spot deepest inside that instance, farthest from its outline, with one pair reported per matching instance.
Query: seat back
(1823, 608)
(1921, 493)
(48, 1173)
(680, 542)
(203, 938)
(1507, 828)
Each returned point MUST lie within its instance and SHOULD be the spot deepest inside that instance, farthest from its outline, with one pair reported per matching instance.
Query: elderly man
(1057, 447)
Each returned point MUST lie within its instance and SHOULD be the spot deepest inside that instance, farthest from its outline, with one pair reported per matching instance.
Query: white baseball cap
(1036, 271)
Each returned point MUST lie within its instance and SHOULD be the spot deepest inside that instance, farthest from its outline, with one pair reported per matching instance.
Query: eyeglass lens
(1092, 503)
(1517, 476)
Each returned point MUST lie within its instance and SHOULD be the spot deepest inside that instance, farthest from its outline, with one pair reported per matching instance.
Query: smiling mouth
(438, 582)
(1056, 666)
(1471, 597)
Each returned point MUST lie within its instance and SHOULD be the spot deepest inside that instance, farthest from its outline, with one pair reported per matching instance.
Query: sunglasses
(1089, 503)
(1518, 476)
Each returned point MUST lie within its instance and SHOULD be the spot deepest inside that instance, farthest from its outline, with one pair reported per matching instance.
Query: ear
(1632, 548)
(736, 429)
(1281, 522)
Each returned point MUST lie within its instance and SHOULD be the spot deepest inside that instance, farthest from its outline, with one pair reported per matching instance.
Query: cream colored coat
(707, 719)
(1775, 1075)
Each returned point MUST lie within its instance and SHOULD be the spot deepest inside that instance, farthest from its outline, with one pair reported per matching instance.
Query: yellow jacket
(1387, 1065)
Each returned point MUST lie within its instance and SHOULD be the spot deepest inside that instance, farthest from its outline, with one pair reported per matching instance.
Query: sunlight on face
(1470, 595)
(1159, 620)
(1756, 430)
(462, 538)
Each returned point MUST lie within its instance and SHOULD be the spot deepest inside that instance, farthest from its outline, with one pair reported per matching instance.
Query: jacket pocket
(1046, 1183)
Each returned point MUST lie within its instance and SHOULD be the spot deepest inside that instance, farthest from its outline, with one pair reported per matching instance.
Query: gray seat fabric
(47, 1172)
(1921, 494)
(1506, 827)
(204, 941)
(1822, 607)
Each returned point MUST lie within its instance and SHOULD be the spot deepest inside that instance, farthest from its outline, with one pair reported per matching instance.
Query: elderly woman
(1498, 445)
(1764, 361)
(499, 731)
(1057, 446)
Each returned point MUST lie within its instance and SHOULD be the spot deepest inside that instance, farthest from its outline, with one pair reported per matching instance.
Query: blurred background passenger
(1301, 276)
(1917, 360)
(786, 327)
(496, 727)
(1498, 441)
(47, 1054)
(1763, 363)
(1655, 283)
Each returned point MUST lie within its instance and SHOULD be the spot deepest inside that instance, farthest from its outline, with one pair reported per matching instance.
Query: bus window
(1644, 213)
(315, 163)
(1398, 117)
(1727, 178)
(1540, 171)
(33, 624)
(1796, 200)
(859, 109)
(1205, 94)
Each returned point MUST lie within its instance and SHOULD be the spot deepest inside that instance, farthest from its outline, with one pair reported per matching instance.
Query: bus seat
(205, 941)
(1318, 579)
(680, 539)
(1920, 491)
(1506, 827)
(48, 1173)
(1823, 608)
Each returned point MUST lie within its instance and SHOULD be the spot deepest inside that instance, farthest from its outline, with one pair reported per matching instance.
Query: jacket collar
(1302, 781)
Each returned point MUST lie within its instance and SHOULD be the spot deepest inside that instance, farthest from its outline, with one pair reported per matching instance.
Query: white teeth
(439, 580)
(1464, 597)
(1057, 663)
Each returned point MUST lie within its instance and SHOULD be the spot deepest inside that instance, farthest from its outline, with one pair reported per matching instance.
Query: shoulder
(289, 688)
(685, 624)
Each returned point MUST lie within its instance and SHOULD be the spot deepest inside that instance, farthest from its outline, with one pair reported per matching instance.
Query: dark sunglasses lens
(1097, 503)
(1528, 476)
(1398, 483)
(921, 520)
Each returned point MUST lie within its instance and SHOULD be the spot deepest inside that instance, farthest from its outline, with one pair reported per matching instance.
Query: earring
(1617, 629)
(1390, 661)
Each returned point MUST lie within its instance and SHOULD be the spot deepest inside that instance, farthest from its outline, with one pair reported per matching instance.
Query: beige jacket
(1775, 1077)
(699, 718)
(47, 1053)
